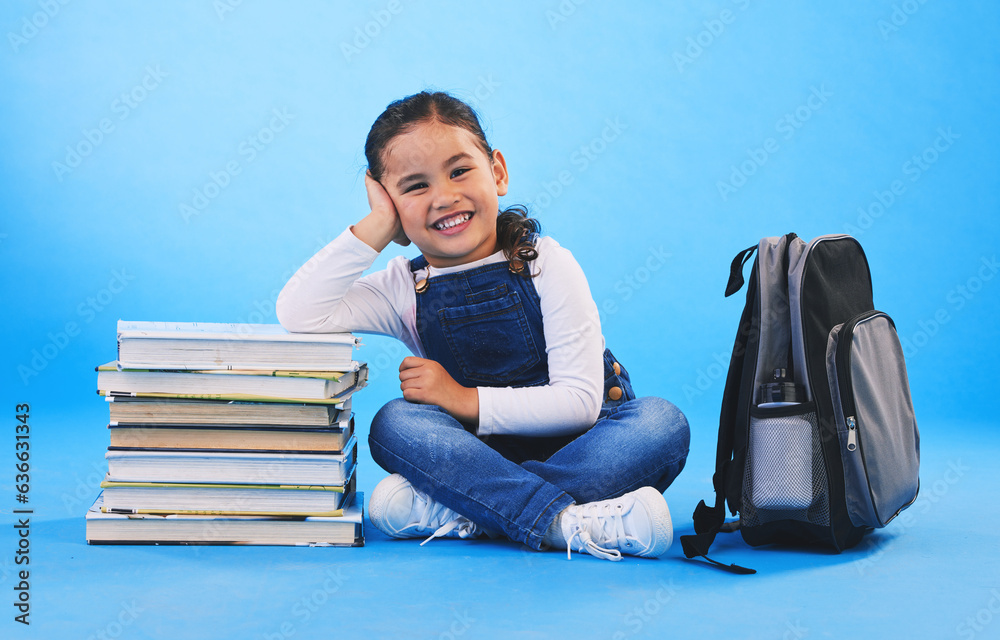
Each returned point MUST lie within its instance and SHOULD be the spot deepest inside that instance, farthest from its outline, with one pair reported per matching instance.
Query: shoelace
(434, 512)
(603, 520)
(466, 528)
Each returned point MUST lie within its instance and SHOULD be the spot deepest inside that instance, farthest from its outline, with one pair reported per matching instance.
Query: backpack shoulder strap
(710, 521)
(730, 453)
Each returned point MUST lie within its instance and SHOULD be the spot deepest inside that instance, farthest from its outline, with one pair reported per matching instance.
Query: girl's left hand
(426, 382)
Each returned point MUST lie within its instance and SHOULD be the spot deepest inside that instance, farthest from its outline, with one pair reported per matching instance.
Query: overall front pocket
(492, 342)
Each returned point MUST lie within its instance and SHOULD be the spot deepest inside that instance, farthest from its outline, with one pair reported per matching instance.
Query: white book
(140, 410)
(216, 345)
(117, 528)
(243, 384)
(226, 499)
(231, 467)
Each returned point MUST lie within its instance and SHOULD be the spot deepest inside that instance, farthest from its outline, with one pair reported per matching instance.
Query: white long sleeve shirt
(329, 294)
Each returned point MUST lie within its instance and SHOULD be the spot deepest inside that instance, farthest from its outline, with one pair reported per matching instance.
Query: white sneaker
(638, 523)
(400, 510)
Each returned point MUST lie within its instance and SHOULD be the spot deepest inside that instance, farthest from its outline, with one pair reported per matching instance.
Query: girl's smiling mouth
(454, 223)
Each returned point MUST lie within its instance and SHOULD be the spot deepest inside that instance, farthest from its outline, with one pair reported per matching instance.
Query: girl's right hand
(382, 225)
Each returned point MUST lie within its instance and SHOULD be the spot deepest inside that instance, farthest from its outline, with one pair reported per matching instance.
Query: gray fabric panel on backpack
(784, 474)
(886, 424)
(772, 351)
(881, 473)
(797, 255)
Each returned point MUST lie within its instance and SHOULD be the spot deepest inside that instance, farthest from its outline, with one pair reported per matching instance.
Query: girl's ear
(500, 172)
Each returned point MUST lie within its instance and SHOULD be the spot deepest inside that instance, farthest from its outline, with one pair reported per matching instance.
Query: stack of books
(229, 434)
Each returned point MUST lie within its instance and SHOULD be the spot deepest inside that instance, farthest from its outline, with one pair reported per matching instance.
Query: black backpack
(818, 442)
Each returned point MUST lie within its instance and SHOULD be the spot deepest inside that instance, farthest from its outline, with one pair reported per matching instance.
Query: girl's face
(446, 191)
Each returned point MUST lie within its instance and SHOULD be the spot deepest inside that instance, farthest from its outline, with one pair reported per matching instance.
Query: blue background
(654, 141)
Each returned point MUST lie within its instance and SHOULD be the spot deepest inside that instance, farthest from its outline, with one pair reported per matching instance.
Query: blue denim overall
(484, 326)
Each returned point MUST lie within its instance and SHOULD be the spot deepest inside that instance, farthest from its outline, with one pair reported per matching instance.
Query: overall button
(618, 370)
(615, 393)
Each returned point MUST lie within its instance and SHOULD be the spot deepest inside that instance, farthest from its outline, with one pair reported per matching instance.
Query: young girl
(514, 419)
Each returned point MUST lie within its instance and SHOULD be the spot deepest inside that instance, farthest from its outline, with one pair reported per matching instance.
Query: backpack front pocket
(876, 426)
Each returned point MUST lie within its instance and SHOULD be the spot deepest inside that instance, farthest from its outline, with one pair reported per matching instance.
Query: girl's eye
(458, 172)
(415, 186)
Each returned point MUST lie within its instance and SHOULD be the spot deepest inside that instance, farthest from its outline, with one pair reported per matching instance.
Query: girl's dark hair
(516, 232)
(516, 235)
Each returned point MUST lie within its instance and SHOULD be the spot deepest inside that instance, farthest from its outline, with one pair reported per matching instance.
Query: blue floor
(935, 572)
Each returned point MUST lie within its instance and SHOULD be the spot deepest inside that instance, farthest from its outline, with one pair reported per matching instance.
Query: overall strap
(483, 324)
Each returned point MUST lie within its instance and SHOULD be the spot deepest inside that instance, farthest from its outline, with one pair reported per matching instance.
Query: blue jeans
(517, 485)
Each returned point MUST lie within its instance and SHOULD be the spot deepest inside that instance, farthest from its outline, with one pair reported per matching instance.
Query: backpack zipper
(844, 368)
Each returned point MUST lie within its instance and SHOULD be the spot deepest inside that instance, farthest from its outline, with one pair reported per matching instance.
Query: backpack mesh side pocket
(784, 476)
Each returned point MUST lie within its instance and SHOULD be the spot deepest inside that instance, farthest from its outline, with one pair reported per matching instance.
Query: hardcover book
(226, 499)
(231, 467)
(296, 439)
(214, 345)
(284, 386)
(136, 410)
(143, 528)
